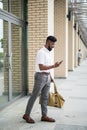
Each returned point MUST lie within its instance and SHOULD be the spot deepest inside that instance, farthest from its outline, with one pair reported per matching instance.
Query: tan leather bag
(55, 99)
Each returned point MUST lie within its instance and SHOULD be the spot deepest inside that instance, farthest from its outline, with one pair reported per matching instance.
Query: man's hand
(57, 64)
(44, 67)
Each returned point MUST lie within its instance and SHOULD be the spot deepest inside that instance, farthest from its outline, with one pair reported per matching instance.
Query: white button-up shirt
(44, 57)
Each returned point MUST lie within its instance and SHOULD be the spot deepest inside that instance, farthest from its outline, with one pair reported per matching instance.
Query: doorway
(11, 69)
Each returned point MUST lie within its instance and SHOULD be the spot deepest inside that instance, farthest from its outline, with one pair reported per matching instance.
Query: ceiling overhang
(78, 9)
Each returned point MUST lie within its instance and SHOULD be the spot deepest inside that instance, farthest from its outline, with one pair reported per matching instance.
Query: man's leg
(78, 61)
(44, 97)
(35, 93)
(44, 101)
(37, 89)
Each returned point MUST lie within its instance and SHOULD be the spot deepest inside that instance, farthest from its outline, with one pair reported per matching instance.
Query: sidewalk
(73, 115)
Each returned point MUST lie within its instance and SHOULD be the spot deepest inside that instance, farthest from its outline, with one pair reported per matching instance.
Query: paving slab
(70, 127)
(72, 116)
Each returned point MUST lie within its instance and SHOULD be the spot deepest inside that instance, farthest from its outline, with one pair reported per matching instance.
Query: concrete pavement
(73, 115)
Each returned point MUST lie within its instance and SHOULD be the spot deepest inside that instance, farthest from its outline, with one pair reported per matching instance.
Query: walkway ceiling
(78, 9)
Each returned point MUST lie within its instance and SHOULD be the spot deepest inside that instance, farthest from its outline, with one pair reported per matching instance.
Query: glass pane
(4, 4)
(16, 32)
(16, 8)
(3, 62)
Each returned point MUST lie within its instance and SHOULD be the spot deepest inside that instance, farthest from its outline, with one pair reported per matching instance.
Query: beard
(49, 48)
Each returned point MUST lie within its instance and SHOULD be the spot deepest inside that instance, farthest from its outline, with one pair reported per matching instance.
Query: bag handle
(55, 88)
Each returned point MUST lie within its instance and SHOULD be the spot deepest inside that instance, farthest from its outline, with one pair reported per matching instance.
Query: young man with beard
(42, 80)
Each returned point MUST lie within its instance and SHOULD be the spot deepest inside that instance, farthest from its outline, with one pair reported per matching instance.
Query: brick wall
(37, 33)
(16, 59)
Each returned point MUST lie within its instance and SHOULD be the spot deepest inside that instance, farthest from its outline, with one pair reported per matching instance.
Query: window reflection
(4, 4)
(16, 33)
(3, 62)
(16, 7)
(13, 6)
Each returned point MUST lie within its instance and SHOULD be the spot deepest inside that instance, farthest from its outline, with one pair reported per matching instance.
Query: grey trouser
(41, 86)
(79, 60)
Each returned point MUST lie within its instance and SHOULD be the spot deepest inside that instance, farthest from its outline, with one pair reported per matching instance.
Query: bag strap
(55, 88)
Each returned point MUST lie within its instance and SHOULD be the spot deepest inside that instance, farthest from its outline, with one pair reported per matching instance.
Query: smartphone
(60, 61)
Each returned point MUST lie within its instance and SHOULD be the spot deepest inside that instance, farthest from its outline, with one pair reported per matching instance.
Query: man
(42, 80)
(79, 56)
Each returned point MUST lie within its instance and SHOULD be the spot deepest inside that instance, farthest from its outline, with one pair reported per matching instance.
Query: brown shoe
(48, 119)
(28, 119)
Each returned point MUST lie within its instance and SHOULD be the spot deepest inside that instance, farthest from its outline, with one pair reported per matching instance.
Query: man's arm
(44, 67)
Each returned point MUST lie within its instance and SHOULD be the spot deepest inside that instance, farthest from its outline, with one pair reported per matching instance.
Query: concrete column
(71, 45)
(78, 41)
(61, 32)
(50, 17)
(84, 51)
(76, 46)
(51, 26)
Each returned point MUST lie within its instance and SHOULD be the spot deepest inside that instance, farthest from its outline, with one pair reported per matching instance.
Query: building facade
(12, 49)
(24, 26)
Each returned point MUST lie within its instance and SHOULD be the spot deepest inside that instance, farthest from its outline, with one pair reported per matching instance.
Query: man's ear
(49, 42)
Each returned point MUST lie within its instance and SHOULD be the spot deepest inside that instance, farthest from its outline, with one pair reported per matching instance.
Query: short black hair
(51, 38)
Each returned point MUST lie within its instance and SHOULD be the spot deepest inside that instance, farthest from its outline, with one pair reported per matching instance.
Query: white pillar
(71, 45)
(61, 32)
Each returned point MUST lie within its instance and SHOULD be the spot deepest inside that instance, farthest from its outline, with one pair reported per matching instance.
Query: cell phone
(60, 61)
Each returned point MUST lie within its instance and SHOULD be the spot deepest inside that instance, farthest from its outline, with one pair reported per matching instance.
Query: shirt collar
(46, 49)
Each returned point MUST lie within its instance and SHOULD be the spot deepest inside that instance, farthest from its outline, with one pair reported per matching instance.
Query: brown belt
(45, 73)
